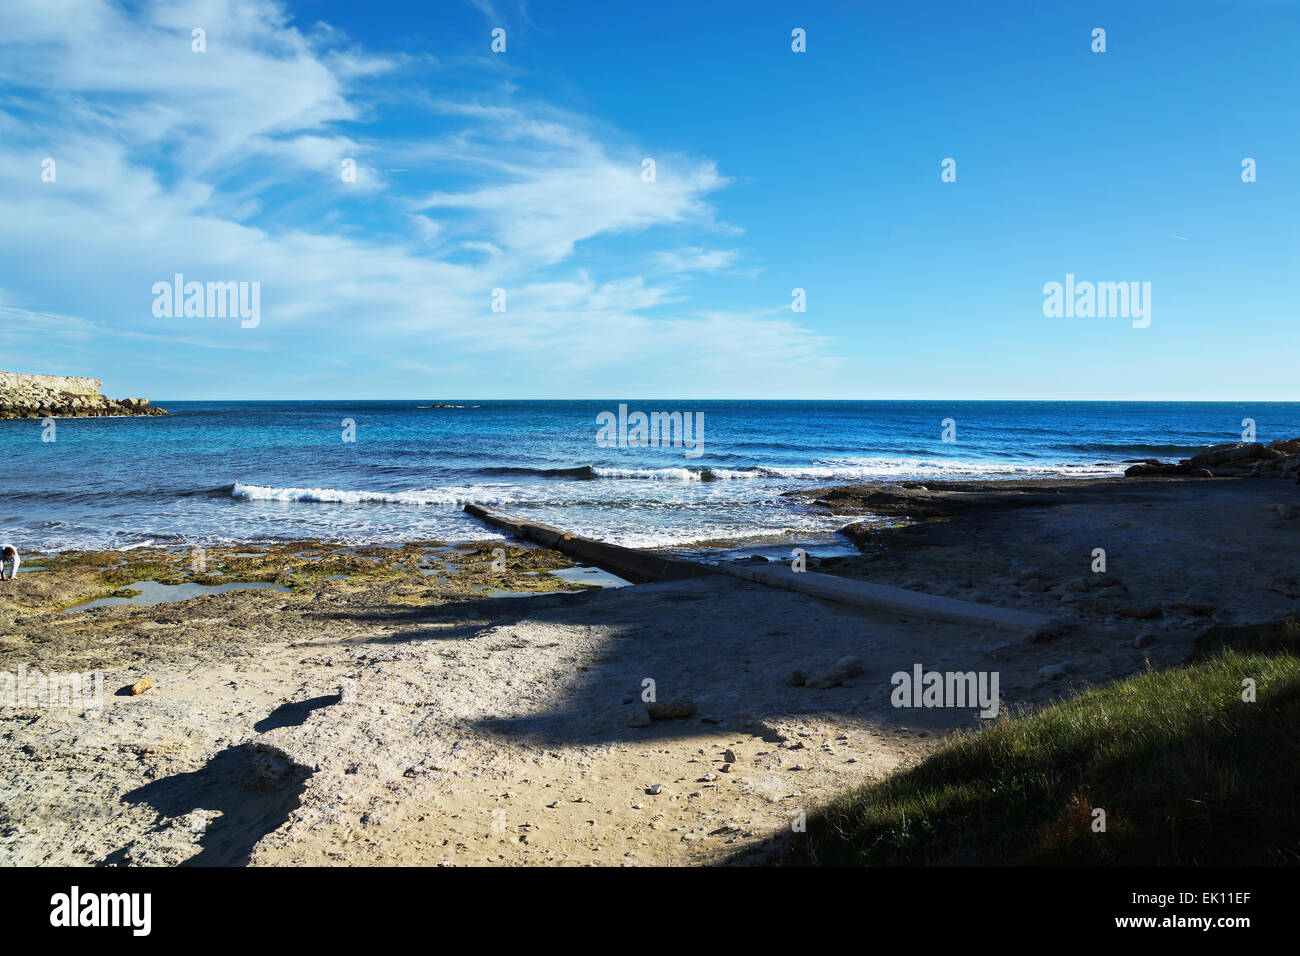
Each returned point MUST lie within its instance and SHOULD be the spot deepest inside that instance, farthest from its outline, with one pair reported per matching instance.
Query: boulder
(1226, 452)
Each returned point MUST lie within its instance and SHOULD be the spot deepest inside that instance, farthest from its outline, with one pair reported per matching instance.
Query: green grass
(1187, 772)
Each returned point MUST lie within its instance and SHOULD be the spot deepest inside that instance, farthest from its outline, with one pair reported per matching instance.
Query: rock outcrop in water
(60, 396)
(1277, 459)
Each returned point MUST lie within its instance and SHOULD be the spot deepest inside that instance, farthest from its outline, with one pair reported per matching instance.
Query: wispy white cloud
(225, 165)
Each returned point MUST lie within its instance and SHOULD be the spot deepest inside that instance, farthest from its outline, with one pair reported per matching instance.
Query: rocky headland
(61, 396)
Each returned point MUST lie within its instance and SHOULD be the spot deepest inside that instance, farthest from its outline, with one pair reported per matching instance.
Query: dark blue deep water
(228, 472)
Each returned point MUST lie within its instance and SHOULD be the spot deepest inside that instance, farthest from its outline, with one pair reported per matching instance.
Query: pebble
(1287, 587)
(824, 681)
(849, 666)
(671, 709)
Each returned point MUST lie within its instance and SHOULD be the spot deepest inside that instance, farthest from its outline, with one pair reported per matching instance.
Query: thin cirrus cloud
(225, 166)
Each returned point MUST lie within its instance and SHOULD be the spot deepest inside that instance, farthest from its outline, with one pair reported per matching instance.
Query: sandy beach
(379, 707)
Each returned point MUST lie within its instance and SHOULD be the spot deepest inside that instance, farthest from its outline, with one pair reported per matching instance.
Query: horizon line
(1081, 401)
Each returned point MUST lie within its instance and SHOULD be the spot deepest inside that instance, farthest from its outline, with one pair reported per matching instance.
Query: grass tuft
(1187, 772)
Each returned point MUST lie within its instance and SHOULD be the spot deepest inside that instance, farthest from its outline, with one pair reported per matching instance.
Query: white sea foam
(868, 469)
(450, 496)
(652, 474)
(903, 469)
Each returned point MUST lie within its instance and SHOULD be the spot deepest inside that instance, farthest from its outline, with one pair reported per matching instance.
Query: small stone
(1287, 587)
(1194, 605)
(671, 709)
(824, 681)
(655, 790)
(140, 686)
(730, 756)
(639, 718)
(1054, 671)
(725, 768)
(1141, 612)
(849, 666)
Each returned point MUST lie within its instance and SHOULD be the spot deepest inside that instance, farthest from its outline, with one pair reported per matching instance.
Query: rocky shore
(59, 396)
(1277, 459)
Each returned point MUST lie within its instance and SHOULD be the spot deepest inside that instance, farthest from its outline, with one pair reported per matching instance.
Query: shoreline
(387, 716)
(719, 545)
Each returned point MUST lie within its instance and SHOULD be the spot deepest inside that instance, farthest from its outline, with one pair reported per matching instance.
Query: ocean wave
(702, 473)
(901, 469)
(450, 496)
(838, 469)
(821, 470)
(581, 472)
(859, 469)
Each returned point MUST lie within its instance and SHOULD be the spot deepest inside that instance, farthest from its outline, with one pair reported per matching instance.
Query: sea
(376, 472)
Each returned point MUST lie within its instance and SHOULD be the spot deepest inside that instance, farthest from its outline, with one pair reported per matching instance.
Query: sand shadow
(736, 674)
(295, 713)
(457, 620)
(254, 789)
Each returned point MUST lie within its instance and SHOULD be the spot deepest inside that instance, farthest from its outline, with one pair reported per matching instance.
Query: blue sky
(775, 170)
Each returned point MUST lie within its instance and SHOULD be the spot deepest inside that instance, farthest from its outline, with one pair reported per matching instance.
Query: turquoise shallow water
(225, 472)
